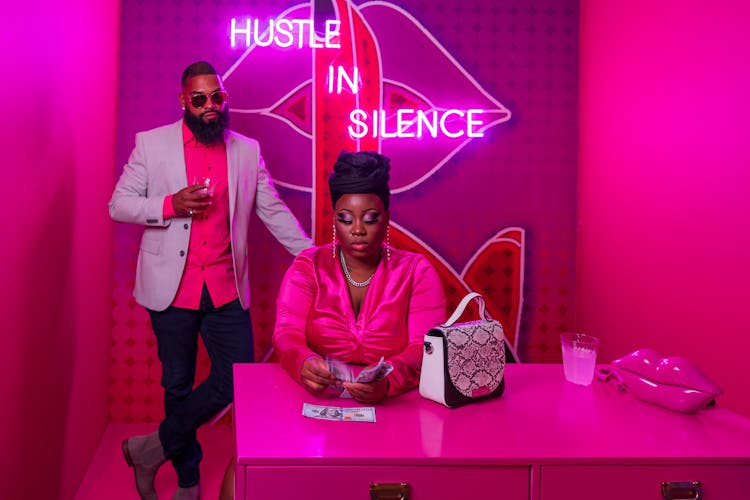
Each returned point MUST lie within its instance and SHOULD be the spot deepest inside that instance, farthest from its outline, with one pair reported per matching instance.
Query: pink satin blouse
(314, 314)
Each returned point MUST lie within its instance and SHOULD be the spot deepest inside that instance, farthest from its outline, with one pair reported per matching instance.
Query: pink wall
(664, 183)
(58, 131)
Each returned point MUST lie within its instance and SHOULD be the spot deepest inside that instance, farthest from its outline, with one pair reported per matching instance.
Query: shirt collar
(189, 138)
(187, 135)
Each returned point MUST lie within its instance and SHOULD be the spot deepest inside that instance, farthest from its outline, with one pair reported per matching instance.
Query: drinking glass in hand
(208, 182)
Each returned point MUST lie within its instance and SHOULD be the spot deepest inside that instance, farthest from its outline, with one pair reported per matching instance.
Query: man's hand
(315, 376)
(191, 200)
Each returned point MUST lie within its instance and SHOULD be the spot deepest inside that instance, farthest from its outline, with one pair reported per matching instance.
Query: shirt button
(186, 226)
(182, 253)
(203, 268)
(204, 243)
(209, 168)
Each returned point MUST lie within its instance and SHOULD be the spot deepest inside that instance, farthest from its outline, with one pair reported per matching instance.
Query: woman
(358, 299)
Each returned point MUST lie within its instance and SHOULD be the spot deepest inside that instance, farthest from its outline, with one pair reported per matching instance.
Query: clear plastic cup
(206, 181)
(579, 357)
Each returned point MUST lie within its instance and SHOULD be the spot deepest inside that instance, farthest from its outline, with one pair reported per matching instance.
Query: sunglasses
(217, 97)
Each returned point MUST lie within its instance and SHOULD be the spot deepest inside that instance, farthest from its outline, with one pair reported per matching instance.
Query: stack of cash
(344, 372)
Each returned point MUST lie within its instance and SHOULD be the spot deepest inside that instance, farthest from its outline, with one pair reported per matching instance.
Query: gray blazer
(156, 168)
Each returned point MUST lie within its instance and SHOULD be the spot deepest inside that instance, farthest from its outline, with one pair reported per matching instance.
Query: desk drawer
(642, 482)
(353, 483)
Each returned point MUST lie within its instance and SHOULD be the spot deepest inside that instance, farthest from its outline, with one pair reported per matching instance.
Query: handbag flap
(475, 356)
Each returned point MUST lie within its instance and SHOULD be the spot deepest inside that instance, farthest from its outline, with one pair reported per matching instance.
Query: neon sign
(406, 123)
(432, 121)
(339, 76)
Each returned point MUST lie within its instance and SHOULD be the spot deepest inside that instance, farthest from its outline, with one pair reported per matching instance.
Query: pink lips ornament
(674, 383)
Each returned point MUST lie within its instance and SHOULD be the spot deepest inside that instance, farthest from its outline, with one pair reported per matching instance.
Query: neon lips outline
(471, 94)
(313, 116)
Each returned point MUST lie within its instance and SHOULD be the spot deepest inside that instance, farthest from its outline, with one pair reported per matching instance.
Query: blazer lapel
(233, 166)
(178, 169)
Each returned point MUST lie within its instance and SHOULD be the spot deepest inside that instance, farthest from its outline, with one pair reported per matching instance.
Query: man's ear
(182, 101)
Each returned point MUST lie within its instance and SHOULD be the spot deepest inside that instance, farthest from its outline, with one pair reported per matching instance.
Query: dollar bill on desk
(362, 414)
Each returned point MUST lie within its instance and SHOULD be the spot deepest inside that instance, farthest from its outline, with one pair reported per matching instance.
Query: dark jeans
(227, 334)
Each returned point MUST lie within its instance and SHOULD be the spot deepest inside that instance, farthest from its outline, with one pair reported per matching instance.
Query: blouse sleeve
(293, 306)
(426, 310)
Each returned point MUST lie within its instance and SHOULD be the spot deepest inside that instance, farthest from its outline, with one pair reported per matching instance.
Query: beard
(211, 132)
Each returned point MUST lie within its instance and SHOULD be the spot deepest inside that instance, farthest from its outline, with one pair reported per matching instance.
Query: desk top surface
(541, 418)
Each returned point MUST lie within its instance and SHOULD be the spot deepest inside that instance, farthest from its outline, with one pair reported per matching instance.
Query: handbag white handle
(462, 306)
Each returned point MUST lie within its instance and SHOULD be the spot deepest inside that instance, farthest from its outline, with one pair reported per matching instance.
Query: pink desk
(544, 439)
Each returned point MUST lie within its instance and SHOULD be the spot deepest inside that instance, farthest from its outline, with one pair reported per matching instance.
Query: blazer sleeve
(130, 201)
(276, 215)
(426, 310)
(293, 306)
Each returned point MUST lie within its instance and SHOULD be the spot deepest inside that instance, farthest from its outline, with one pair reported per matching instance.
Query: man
(192, 273)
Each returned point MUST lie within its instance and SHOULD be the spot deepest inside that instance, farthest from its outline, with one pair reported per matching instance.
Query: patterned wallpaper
(522, 173)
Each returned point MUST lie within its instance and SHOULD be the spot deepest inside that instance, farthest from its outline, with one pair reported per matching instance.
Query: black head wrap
(364, 172)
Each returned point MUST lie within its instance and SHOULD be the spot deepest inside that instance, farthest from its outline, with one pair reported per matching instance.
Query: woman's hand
(373, 392)
(315, 377)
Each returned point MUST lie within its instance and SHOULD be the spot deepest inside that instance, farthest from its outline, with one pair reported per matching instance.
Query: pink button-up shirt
(314, 314)
(209, 256)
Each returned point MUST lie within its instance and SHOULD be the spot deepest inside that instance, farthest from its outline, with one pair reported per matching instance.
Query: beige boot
(192, 493)
(145, 455)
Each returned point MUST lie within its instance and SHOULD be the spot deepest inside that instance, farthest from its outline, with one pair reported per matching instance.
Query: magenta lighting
(284, 33)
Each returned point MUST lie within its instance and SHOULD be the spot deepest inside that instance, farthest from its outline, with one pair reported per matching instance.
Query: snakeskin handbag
(463, 362)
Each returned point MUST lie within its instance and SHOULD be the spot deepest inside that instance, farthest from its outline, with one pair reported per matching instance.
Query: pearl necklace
(348, 276)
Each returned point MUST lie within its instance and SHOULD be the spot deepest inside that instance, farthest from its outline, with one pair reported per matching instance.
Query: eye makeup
(345, 218)
(371, 217)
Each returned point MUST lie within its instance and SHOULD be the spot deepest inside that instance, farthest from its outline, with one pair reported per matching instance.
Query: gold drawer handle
(389, 491)
(675, 490)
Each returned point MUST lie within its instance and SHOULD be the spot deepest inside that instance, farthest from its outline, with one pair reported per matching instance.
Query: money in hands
(344, 372)
(374, 372)
(340, 369)
(362, 414)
